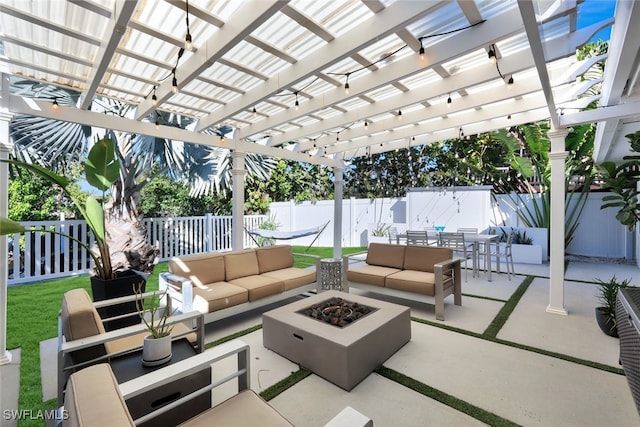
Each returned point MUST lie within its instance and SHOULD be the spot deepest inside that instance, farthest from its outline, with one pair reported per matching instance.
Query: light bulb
(174, 85)
(422, 55)
(188, 44)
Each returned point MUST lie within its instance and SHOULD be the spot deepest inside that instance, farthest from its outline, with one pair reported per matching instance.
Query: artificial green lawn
(32, 316)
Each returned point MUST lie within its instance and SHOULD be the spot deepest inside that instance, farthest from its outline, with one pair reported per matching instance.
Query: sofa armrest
(447, 272)
(313, 259)
(179, 289)
(355, 257)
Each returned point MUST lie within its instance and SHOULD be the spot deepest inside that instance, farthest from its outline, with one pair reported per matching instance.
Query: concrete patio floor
(518, 384)
(500, 375)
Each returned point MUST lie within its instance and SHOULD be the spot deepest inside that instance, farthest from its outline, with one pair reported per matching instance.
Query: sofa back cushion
(80, 319)
(241, 264)
(422, 258)
(272, 258)
(201, 269)
(385, 255)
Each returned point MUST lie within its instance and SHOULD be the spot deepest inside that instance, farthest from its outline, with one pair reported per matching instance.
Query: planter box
(526, 254)
(378, 239)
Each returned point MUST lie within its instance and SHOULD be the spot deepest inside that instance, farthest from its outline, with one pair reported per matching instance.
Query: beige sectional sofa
(223, 284)
(425, 273)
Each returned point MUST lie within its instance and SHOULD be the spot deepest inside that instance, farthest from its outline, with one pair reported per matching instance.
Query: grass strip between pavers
(525, 347)
(503, 315)
(484, 297)
(445, 398)
(233, 336)
(284, 384)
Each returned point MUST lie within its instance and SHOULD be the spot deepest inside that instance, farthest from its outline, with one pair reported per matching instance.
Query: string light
(449, 101)
(297, 104)
(188, 45)
(157, 120)
(154, 98)
(174, 84)
(346, 85)
(399, 114)
(494, 60)
(255, 112)
(492, 54)
(55, 105)
(421, 51)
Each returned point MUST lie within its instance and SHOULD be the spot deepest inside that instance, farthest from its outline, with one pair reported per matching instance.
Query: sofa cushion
(385, 255)
(92, 398)
(218, 295)
(370, 274)
(422, 258)
(80, 319)
(240, 264)
(272, 258)
(420, 282)
(244, 409)
(293, 277)
(259, 286)
(200, 269)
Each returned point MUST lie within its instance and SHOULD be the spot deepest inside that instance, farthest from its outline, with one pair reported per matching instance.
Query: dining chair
(432, 236)
(455, 241)
(503, 252)
(500, 251)
(417, 237)
(393, 234)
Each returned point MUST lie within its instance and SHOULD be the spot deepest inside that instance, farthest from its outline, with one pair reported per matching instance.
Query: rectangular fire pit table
(345, 356)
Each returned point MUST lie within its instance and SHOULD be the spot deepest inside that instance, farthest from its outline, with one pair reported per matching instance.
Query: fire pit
(337, 311)
(344, 355)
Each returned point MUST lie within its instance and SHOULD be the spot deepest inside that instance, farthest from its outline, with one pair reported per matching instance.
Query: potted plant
(379, 233)
(606, 312)
(101, 170)
(156, 347)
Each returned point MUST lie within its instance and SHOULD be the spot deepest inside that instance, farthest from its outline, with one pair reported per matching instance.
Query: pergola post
(338, 184)
(5, 148)
(557, 155)
(238, 172)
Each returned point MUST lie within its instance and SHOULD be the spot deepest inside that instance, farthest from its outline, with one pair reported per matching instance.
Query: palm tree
(55, 145)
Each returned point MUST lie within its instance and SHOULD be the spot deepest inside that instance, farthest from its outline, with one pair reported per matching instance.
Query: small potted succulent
(156, 348)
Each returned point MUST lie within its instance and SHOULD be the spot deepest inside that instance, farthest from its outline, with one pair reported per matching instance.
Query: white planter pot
(526, 254)
(378, 239)
(156, 351)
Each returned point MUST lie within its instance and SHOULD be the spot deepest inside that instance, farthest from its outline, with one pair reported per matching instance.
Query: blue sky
(592, 11)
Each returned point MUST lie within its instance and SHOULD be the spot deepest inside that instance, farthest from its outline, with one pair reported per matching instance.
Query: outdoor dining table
(478, 240)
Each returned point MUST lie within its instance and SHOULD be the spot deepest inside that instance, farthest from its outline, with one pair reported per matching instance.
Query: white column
(337, 211)
(557, 155)
(237, 207)
(5, 148)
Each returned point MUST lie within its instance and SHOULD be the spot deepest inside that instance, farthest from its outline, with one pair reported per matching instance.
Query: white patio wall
(598, 233)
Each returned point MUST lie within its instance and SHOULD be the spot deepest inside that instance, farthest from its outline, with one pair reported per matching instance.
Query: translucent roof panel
(259, 54)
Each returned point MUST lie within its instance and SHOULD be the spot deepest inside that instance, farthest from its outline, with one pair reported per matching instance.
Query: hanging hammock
(287, 235)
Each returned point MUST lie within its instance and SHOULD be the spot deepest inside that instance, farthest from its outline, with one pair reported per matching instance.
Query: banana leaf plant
(622, 180)
(101, 170)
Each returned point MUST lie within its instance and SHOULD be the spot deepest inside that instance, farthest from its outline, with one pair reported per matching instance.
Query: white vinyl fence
(42, 253)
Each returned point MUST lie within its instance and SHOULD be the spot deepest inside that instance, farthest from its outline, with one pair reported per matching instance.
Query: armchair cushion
(93, 398)
(293, 277)
(259, 286)
(244, 409)
(80, 319)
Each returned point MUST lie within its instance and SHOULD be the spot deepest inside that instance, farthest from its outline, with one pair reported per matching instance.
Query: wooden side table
(129, 366)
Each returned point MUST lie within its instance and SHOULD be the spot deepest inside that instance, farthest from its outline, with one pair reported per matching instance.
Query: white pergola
(275, 72)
